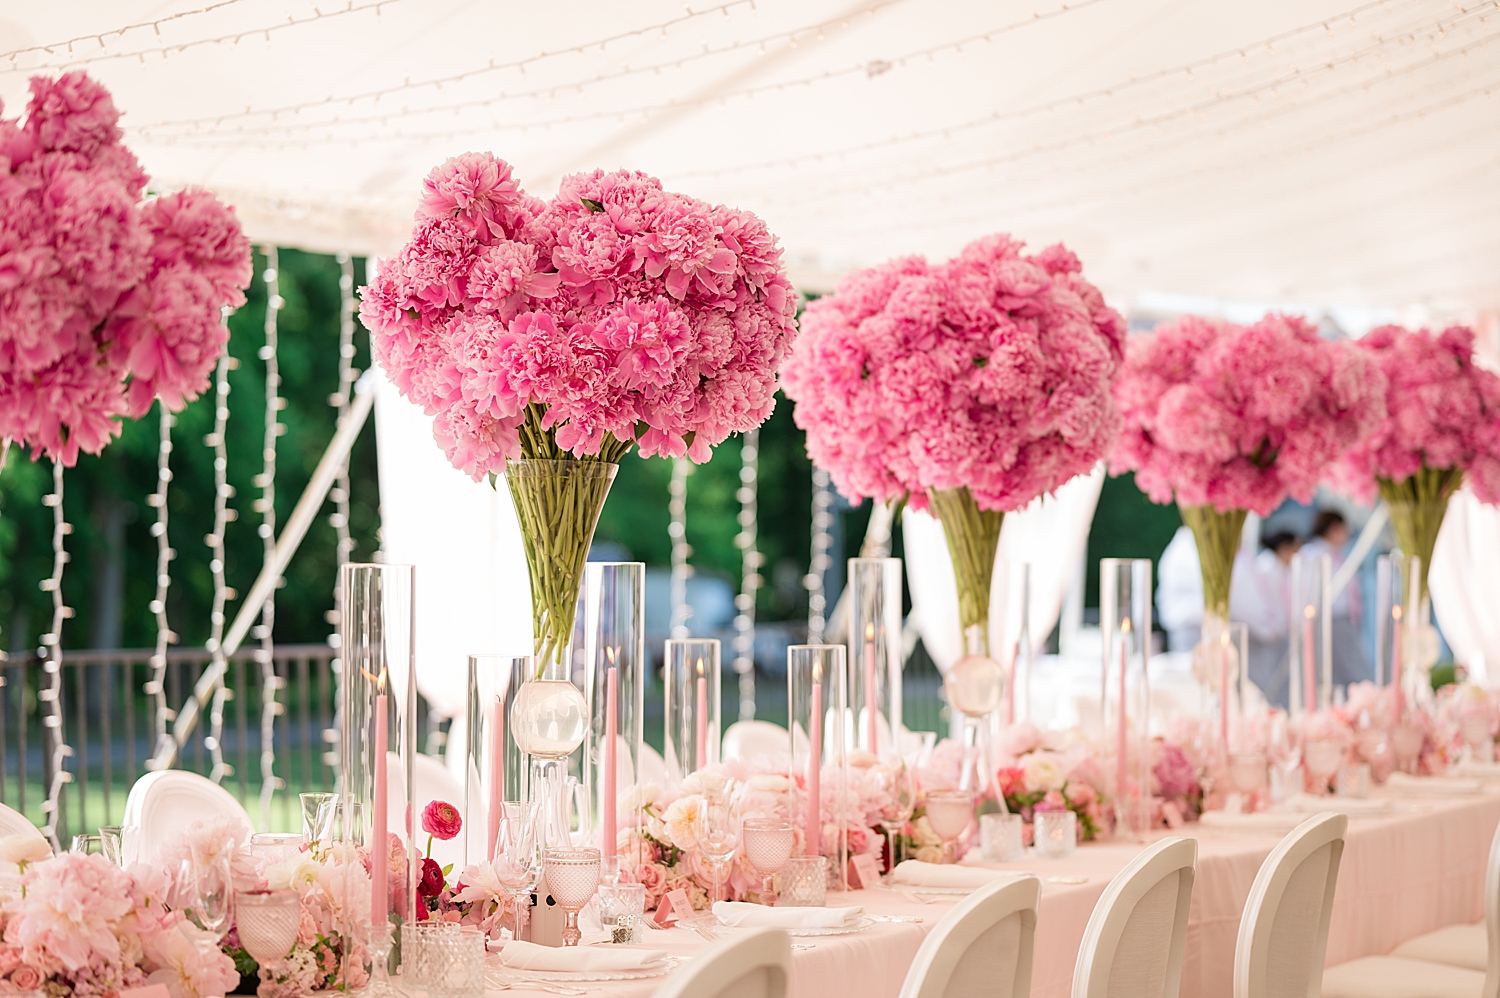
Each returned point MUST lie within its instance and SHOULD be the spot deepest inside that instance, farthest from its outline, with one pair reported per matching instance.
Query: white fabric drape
(1051, 533)
(471, 583)
(1465, 583)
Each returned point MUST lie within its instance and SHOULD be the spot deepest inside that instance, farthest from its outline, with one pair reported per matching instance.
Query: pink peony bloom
(441, 820)
(990, 371)
(1173, 773)
(1241, 417)
(68, 917)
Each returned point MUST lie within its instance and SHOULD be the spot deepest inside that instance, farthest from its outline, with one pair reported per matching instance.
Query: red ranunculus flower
(441, 820)
(432, 879)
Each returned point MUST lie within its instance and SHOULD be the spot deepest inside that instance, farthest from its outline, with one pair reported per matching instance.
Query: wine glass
(769, 842)
(1285, 751)
(949, 813)
(213, 885)
(720, 834)
(1322, 757)
(268, 922)
(901, 791)
(572, 877)
(517, 863)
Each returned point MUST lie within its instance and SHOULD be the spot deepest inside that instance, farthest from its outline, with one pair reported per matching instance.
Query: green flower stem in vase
(1418, 505)
(1218, 538)
(973, 535)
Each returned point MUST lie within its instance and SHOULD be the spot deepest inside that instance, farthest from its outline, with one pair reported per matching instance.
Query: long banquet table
(1403, 874)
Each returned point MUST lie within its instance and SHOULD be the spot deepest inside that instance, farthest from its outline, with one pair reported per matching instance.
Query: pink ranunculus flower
(26, 978)
(441, 820)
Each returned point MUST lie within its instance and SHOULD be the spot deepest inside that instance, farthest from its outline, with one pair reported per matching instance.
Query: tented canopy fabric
(1335, 152)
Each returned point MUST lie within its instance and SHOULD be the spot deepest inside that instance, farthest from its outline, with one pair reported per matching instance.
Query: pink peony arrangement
(106, 302)
(1442, 412)
(991, 371)
(618, 313)
(1238, 418)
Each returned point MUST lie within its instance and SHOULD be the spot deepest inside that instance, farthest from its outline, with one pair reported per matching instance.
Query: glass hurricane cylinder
(496, 768)
(378, 748)
(692, 706)
(817, 686)
(614, 636)
(1018, 690)
(875, 651)
(1312, 632)
(1125, 629)
(973, 535)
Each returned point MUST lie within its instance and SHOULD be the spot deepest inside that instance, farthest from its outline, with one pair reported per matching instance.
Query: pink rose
(654, 877)
(441, 820)
(26, 978)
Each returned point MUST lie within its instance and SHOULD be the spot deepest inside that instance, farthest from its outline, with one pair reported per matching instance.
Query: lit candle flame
(379, 680)
(609, 653)
(700, 666)
(1309, 611)
(817, 672)
(1125, 626)
(870, 631)
(1396, 612)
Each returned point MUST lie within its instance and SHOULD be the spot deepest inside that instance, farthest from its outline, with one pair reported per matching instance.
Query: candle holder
(1311, 633)
(614, 648)
(1125, 697)
(379, 740)
(1018, 691)
(692, 706)
(818, 715)
(496, 768)
(875, 651)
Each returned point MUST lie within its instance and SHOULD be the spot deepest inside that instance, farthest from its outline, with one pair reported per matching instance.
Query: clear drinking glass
(1056, 834)
(1000, 837)
(270, 848)
(447, 960)
(572, 876)
(86, 844)
(267, 922)
(949, 812)
(720, 833)
(804, 882)
(317, 815)
(112, 843)
(518, 857)
(621, 908)
(768, 845)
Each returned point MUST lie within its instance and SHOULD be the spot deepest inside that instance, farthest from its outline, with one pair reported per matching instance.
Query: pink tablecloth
(1402, 875)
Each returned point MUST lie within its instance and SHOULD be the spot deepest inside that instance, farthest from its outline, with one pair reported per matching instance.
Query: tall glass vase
(378, 747)
(875, 650)
(1418, 505)
(691, 706)
(557, 506)
(614, 629)
(496, 770)
(1125, 705)
(817, 688)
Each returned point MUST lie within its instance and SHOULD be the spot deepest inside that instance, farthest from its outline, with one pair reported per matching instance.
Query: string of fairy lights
(155, 687)
(50, 692)
(682, 551)
(750, 562)
(266, 506)
(223, 515)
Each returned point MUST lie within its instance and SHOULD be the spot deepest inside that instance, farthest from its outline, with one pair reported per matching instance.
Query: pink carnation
(1442, 411)
(990, 371)
(1240, 417)
(617, 311)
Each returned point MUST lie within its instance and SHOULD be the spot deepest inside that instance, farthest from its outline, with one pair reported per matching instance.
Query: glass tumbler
(572, 877)
(447, 960)
(804, 882)
(318, 810)
(112, 843)
(1056, 834)
(621, 908)
(1000, 837)
(270, 848)
(86, 844)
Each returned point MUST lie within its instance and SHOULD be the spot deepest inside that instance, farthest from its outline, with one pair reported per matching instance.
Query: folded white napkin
(521, 955)
(1482, 770)
(915, 873)
(1270, 822)
(1352, 806)
(759, 916)
(1433, 786)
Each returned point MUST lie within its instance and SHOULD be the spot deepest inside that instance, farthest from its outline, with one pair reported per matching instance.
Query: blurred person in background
(1331, 536)
(1261, 599)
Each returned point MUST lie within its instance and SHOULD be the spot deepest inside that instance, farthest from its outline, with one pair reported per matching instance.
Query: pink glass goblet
(768, 845)
(949, 813)
(268, 922)
(1322, 758)
(572, 877)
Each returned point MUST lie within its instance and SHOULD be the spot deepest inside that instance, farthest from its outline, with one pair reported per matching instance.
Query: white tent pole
(1367, 538)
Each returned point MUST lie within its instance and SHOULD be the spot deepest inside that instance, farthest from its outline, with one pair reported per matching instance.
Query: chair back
(747, 740)
(1134, 943)
(982, 948)
(753, 964)
(1492, 920)
(1284, 930)
(13, 822)
(169, 800)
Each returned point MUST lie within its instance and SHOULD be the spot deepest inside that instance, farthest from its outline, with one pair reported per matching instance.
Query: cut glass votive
(621, 908)
(1000, 837)
(804, 882)
(447, 960)
(1056, 834)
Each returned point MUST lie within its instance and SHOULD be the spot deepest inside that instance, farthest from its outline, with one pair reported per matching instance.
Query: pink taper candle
(814, 829)
(1398, 692)
(497, 773)
(380, 839)
(702, 754)
(1122, 767)
(1309, 663)
(611, 764)
(872, 710)
(1224, 693)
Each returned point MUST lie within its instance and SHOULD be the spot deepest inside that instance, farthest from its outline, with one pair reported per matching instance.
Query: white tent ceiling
(1328, 151)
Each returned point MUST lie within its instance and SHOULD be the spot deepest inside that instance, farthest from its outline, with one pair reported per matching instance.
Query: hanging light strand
(750, 562)
(223, 515)
(51, 690)
(681, 549)
(266, 506)
(817, 566)
(156, 687)
(339, 518)
(68, 43)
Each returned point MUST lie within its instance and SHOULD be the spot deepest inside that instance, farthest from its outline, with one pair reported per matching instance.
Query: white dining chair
(1471, 947)
(1415, 970)
(1136, 937)
(753, 964)
(1284, 928)
(169, 800)
(746, 740)
(13, 822)
(982, 948)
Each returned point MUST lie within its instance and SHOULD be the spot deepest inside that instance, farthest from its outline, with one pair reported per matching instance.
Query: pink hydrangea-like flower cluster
(105, 302)
(990, 371)
(1442, 411)
(1240, 417)
(618, 307)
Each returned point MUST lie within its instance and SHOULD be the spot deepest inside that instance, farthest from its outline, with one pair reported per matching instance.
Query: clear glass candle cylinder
(614, 649)
(1125, 697)
(818, 714)
(495, 768)
(692, 706)
(1311, 633)
(379, 744)
(875, 651)
(1234, 656)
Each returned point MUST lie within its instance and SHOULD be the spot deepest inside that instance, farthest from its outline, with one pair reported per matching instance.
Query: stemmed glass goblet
(518, 857)
(720, 834)
(572, 877)
(901, 792)
(268, 922)
(213, 885)
(769, 842)
(949, 813)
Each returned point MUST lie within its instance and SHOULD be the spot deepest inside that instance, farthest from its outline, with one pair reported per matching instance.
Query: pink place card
(864, 872)
(674, 906)
(147, 991)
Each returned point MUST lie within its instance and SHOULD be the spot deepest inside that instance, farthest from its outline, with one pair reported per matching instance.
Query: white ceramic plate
(507, 975)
